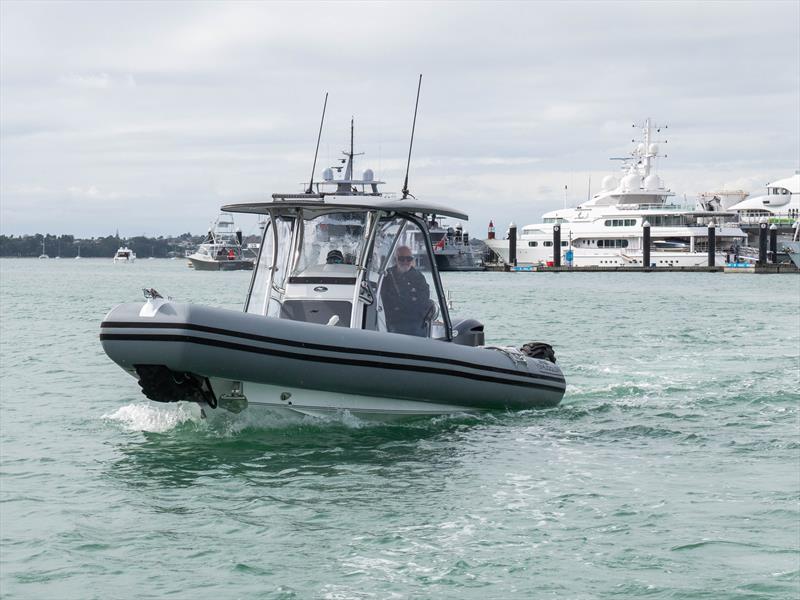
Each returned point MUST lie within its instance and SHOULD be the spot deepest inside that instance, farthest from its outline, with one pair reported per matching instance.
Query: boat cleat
(235, 400)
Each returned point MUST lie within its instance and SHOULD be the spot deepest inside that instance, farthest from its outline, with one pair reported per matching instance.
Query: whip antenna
(411, 144)
(310, 189)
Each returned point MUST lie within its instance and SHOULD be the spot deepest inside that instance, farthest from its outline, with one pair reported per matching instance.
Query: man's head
(404, 258)
(335, 257)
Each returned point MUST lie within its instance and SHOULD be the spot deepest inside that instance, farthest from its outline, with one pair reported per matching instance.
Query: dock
(768, 268)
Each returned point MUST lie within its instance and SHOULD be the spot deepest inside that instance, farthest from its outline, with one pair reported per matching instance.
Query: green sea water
(670, 470)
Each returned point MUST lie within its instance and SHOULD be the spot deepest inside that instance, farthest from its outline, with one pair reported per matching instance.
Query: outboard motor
(239, 236)
(468, 332)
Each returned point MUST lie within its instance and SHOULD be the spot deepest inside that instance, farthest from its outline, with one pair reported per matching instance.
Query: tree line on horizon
(67, 246)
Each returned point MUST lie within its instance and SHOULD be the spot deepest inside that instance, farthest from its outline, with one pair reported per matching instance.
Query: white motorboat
(780, 205)
(124, 255)
(607, 230)
(345, 312)
(222, 248)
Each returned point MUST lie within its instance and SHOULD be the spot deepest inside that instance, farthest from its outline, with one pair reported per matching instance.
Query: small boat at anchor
(222, 248)
(345, 312)
(124, 255)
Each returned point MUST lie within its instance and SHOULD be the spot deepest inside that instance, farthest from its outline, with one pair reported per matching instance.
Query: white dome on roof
(327, 174)
(653, 149)
(609, 183)
(632, 181)
(652, 182)
(368, 175)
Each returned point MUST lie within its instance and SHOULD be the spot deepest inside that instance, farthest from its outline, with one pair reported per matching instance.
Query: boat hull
(311, 368)
(205, 264)
(458, 262)
(793, 251)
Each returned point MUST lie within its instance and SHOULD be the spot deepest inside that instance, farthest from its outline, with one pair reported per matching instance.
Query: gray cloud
(148, 116)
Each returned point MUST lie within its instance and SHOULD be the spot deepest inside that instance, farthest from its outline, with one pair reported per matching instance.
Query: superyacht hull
(629, 258)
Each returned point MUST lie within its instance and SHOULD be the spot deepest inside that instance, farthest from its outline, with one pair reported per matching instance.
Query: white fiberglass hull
(617, 258)
(318, 403)
(206, 263)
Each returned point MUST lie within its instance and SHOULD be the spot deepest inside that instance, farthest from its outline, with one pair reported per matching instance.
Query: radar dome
(327, 174)
(631, 182)
(609, 183)
(652, 182)
(653, 149)
(369, 175)
(640, 148)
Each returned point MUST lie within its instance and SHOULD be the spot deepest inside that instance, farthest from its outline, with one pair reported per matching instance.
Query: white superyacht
(780, 205)
(607, 230)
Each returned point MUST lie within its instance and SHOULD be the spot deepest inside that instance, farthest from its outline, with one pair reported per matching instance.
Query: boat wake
(171, 417)
(153, 419)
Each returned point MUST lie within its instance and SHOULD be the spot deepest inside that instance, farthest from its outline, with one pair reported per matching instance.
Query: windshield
(330, 246)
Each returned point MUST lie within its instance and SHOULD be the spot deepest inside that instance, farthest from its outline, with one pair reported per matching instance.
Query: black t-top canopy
(319, 201)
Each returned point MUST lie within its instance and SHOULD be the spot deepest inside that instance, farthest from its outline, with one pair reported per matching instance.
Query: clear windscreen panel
(330, 246)
(406, 299)
(268, 284)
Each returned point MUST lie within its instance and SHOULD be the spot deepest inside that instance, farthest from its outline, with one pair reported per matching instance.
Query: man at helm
(406, 296)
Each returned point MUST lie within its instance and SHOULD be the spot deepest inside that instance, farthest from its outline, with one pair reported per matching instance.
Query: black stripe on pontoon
(311, 346)
(143, 337)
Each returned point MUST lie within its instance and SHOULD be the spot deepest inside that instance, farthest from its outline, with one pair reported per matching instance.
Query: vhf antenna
(310, 189)
(411, 144)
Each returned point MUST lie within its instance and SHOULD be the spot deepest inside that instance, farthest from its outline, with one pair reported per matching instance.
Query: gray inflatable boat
(345, 312)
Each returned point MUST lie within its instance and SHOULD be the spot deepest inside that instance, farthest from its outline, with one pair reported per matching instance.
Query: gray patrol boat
(323, 331)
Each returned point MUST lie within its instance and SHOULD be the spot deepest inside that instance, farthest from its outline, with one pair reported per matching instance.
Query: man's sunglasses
(405, 258)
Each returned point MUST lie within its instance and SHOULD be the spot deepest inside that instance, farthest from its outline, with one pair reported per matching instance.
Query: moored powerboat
(452, 247)
(124, 255)
(345, 312)
(222, 248)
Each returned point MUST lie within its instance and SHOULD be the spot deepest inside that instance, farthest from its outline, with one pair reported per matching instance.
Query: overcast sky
(147, 117)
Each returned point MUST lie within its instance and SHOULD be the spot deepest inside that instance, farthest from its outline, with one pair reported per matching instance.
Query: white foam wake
(155, 419)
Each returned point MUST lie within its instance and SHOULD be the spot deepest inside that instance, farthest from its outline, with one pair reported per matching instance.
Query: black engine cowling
(163, 385)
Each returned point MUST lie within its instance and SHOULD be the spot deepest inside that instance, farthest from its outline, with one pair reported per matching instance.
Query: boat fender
(539, 350)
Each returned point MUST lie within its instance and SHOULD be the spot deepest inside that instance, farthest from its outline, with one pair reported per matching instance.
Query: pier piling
(512, 244)
(557, 245)
(646, 245)
(773, 244)
(712, 244)
(762, 244)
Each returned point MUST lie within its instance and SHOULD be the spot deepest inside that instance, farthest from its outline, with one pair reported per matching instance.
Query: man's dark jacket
(406, 301)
